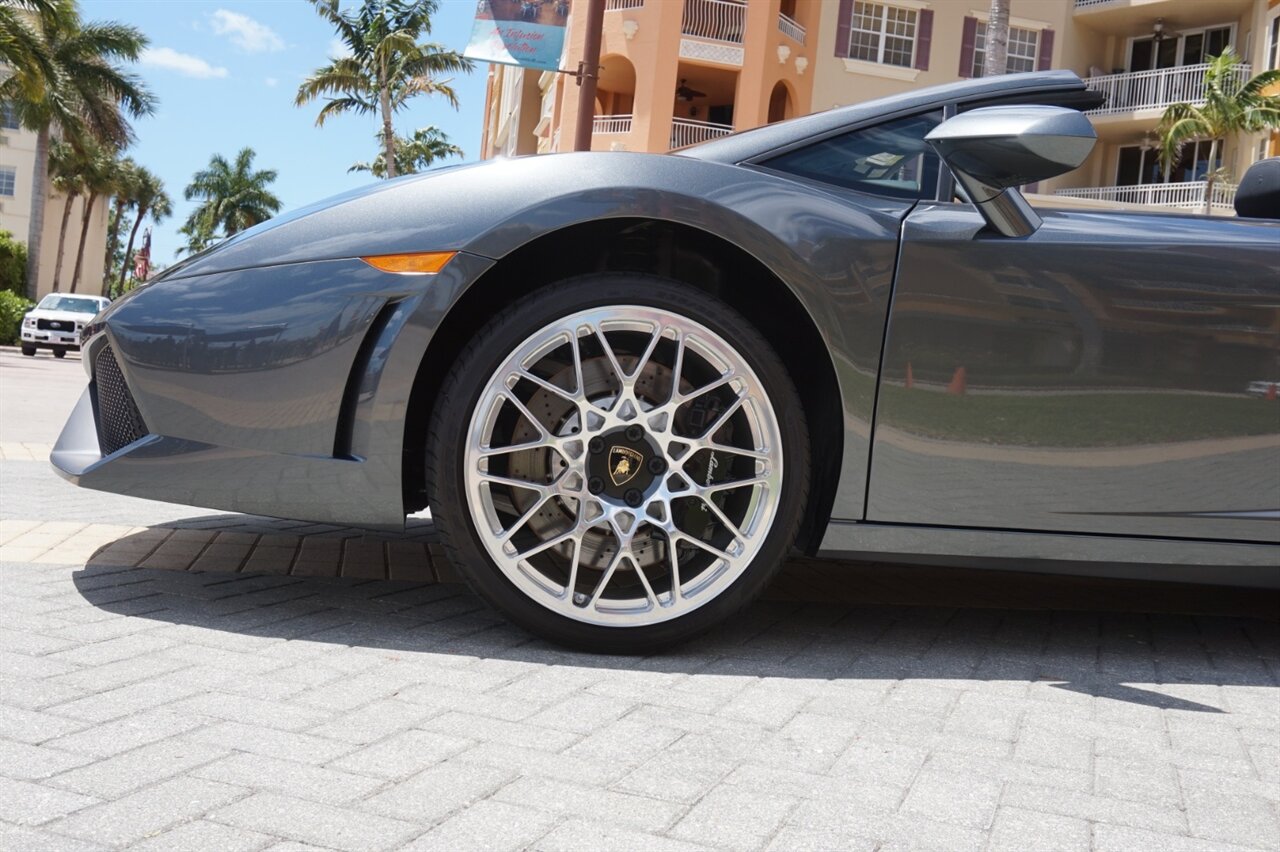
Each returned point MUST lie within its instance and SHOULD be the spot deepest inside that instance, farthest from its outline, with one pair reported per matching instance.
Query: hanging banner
(519, 32)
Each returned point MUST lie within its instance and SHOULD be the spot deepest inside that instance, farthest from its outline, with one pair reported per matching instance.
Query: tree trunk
(35, 231)
(113, 239)
(84, 237)
(996, 46)
(1208, 178)
(62, 241)
(388, 135)
(128, 249)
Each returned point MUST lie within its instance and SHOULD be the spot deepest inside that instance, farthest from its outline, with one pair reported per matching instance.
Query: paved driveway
(172, 678)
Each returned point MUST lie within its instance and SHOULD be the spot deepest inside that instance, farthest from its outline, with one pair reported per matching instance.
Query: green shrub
(13, 265)
(12, 309)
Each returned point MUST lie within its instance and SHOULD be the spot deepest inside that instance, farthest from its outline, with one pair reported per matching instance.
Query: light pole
(588, 72)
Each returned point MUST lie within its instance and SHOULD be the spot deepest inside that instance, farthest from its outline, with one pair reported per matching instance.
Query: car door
(1092, 377)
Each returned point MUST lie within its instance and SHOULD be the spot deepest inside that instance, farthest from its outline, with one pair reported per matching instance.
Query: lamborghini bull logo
(624, 464)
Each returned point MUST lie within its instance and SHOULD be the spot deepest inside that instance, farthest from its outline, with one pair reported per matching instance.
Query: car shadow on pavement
(1157, 645)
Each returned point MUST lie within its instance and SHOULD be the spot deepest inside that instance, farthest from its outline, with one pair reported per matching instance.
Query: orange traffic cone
(959, 382)
(911, 379)
(1271, 389)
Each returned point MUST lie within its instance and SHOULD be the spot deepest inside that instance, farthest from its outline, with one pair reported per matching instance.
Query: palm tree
(123, 198)
(1230, 107)
(102, 176)
(386, 65)
(233, 197)
(414, 153)
(21, 47)
(68, 179)
(150, 198)
(995, 46)
(199, 237)
(78, 89)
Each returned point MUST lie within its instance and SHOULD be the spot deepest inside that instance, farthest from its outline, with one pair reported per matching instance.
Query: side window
(889, 159)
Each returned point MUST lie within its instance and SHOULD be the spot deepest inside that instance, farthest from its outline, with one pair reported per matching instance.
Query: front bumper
(42, 339)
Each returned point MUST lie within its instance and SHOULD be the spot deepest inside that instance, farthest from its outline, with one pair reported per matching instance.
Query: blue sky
(226, 74)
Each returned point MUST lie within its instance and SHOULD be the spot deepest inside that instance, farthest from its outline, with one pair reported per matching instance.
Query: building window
(1185, 48)
(8, 178)
(882, 34)
(1138, 165)
(8, 117)
(1023, 49)
(1273, 44)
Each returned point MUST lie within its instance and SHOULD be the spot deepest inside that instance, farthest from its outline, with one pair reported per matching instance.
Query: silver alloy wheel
(623, 466)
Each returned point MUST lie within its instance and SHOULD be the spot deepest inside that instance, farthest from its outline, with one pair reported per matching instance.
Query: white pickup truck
(55, 323)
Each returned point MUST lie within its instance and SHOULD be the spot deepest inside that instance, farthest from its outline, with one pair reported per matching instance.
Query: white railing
(788, 27)
(1188, 195)
(611, 124)
(1155, 89)
(687, 131)
(718, 20)
(1085, 4)
(619, 5)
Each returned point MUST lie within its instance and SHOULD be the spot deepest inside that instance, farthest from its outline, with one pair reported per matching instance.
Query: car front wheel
(59, 353)
(29, 351)
(619, 462)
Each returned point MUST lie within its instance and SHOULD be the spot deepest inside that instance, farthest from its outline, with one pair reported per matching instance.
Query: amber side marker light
(417, 263)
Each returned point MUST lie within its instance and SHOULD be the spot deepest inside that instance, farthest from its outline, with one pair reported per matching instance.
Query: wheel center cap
(623, 464)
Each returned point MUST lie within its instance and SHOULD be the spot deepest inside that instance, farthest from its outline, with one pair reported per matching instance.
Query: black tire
(59, 353)
(459, 395)
(29, 351)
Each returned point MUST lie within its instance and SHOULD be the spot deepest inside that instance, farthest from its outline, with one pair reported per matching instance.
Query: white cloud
(272, 82)
(338, 49)
(246, 33)
(184, 63)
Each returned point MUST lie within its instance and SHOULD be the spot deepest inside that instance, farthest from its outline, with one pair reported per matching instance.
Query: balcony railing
(788, 27)
(620, 5)
(1184, 196)
(611, 124)
(1085, 4)
(687, 131)
(1155, 89)
(718, 20)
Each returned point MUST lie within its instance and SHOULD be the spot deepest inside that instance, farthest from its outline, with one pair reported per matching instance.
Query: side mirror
(994, 150)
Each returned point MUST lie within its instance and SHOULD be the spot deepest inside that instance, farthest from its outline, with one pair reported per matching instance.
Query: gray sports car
(628, 385)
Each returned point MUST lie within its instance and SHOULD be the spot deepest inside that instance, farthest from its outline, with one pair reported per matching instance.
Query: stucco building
(17, 168)
(682, 71)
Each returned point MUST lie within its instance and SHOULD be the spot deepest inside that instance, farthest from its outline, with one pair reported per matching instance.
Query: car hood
(65, 316)
(323, 230)
(485, 208)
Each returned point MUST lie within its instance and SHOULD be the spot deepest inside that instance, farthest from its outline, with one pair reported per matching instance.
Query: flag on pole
(519, 32)
(142, 260)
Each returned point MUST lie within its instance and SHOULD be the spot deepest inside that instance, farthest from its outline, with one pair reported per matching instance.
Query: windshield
(54, 302)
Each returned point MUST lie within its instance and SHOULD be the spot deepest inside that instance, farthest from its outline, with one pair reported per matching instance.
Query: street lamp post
(588, 73)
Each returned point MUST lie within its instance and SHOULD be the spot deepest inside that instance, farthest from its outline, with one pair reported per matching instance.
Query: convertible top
(1061, 88)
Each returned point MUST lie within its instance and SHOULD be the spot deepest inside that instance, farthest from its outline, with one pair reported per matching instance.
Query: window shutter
(924, 35)
(968, 38)
(1045, 59)
(842, 28)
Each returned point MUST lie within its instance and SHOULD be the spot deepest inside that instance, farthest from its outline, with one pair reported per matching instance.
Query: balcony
(687, 131)
(1178, 196)
(715, 20)
(605, 124)
(788, 27)
(622, 5)
(1126, 93)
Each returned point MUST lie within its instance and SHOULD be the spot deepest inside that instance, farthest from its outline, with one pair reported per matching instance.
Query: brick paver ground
(173, 679)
